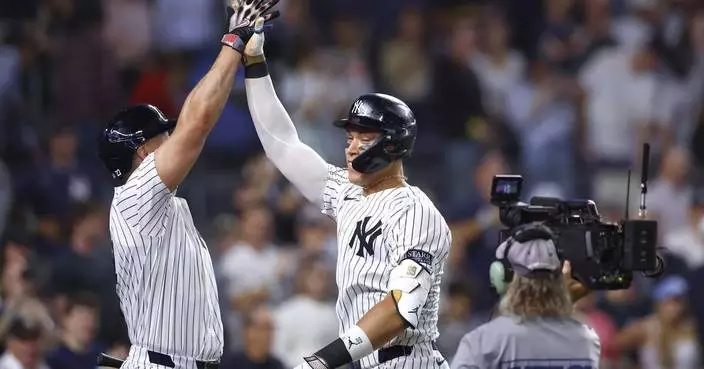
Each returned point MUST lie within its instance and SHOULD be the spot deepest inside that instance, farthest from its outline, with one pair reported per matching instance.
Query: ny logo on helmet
(360, 108)
(366, 236)
(363, 109)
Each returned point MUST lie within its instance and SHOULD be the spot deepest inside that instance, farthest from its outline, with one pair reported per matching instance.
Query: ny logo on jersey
(366, 236)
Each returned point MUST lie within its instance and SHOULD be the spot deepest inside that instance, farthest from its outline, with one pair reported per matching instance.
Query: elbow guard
(409, 285)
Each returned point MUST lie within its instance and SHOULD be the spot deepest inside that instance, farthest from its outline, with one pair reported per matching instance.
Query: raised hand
(241, 18)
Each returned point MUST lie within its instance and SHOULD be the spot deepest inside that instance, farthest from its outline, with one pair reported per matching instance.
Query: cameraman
(535, 327)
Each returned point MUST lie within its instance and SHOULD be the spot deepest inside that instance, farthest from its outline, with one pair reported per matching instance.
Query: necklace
(383, 179)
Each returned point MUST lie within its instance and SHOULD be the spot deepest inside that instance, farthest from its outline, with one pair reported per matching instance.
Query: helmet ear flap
(399, 144)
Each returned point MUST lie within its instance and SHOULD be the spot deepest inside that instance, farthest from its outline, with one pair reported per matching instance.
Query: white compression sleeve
(299, 163)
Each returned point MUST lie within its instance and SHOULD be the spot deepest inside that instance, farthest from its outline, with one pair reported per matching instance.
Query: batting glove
(242, 16)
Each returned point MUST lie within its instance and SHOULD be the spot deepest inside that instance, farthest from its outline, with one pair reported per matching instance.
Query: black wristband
(257, 70)
(335, 354)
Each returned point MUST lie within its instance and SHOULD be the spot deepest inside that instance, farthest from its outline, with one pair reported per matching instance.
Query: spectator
(78, 349)
(542, 114)
(86, 83)
(308, 320)
(596, 33)
(260, 180)
(78, 268)
(87, 266)
(162, 83)
(667, 338)
(456, 102)
(257, 337)
(624, 306)
(19, 293)
(127, 28)
(252, 267)
(404, 69)
(603, 325)
(66, 180)
(691, 110)
(305, 95)
(458, 318)
(620, 87)
(559, 33)
(24, 349)
(671, 194)
(316, 237)
(251, 270)
(184, 25)
(687, 239)
(498, 67)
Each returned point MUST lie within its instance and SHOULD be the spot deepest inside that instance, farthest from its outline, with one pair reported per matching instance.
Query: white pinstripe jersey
(374, 234)
(165, 277)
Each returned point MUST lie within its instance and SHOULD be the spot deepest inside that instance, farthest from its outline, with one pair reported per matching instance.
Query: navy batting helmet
(385, 114)
(125, 132)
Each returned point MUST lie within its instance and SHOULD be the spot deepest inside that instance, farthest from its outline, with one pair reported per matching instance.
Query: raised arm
(203, 106)
(297, 162)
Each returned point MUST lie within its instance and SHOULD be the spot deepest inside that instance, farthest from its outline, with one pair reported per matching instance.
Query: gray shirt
(539, 343)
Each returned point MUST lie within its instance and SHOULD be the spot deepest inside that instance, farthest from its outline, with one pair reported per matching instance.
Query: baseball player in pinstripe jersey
(165, 277)
(392, 241)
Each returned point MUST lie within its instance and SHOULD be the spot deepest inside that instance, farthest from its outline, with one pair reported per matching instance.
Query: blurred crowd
(563, 92)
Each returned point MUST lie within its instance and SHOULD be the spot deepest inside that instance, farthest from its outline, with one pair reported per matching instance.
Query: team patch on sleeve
(421, 257)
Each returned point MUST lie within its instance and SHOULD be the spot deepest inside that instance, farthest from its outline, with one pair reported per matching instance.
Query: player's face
(357, 142)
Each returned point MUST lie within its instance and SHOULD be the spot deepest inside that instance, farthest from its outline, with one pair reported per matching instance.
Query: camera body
(603, 255)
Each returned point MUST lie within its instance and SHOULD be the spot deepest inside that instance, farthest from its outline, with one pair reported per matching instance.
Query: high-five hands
(244, 17)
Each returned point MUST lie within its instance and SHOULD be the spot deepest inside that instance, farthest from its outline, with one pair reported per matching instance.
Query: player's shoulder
(145, 172)
(411, 200)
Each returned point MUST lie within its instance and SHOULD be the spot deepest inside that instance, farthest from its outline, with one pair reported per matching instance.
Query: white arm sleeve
(297, 162)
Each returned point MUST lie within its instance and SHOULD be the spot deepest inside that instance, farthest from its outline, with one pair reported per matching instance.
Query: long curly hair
(547, 296)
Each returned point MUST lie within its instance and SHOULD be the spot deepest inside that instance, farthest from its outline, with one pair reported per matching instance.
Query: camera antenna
(642, 211)
(628, 195)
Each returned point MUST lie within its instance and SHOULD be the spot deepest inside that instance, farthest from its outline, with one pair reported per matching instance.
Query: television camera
(603, 255)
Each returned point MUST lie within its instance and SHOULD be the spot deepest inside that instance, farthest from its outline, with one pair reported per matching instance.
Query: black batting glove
(241, 16)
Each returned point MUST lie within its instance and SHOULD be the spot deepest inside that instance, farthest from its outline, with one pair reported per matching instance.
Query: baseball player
(392, 241)
(165, 278)
(536, 328)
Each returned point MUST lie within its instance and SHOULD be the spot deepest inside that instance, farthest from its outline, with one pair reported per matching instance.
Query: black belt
(391, 352)
(166, 360)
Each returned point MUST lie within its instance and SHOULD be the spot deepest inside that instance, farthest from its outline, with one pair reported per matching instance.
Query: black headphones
(500, 271)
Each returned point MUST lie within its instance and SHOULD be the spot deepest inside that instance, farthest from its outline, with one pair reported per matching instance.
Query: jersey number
(366, 236)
